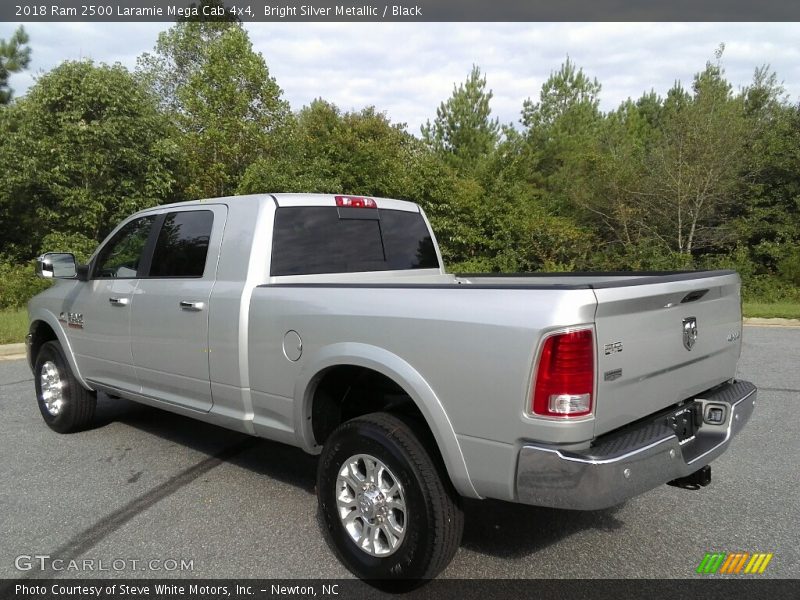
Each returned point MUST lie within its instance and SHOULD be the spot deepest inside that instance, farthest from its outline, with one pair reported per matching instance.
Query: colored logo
(734, 563)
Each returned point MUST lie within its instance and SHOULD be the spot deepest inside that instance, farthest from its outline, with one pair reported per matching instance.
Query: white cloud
(406, 69)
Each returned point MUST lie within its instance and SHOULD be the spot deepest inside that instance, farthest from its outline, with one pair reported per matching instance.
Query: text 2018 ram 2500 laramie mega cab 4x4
(329, 323)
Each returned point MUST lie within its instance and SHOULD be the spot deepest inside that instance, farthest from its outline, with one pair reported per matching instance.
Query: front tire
(66, 405)
(389, 511)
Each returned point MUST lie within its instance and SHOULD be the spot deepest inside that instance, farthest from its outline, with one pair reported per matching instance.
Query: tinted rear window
(314, 239)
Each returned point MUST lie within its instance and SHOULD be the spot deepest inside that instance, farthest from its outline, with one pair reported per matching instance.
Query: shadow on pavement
(279, 461)
(509, 530)
(495, 528)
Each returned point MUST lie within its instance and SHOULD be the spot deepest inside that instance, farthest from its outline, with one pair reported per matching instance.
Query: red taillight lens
(355, 202)
(564, 381)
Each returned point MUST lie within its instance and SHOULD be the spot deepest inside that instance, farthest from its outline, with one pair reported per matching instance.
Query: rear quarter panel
(464, 354)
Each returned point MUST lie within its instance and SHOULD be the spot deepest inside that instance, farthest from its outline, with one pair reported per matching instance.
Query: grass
(13, 325)
(769, 310)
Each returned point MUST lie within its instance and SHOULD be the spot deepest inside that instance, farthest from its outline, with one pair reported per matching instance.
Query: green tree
(768, 224)
(179, 53)
(327, 150)
(613, 162)
(85, 148)
(568, 91)
(463, 131)
(224, 103)
(560, 130)
(693, 174)
(667, 177)
(15, 55)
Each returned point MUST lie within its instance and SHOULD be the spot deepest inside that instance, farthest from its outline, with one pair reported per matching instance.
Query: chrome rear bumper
(625, 464)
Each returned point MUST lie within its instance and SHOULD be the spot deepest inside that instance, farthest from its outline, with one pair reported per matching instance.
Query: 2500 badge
(74, 320)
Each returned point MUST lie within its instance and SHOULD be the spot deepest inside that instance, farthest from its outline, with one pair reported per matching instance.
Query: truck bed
(642, 363)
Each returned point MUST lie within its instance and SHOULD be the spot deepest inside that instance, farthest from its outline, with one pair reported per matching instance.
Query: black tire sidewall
(410, 561)
(51, 351)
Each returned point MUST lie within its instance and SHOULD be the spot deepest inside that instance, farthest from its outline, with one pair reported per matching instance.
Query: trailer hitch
(695, 481)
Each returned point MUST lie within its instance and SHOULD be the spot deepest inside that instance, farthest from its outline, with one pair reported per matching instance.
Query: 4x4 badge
(689, 332)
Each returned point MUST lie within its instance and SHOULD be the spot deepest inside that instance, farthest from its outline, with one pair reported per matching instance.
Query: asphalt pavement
(146, 490)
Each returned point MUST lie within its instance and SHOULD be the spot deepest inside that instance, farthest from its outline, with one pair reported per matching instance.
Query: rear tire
(66, 405)
(389, 511)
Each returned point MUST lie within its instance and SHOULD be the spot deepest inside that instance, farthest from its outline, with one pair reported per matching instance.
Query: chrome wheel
(52, 388)
(371, 505)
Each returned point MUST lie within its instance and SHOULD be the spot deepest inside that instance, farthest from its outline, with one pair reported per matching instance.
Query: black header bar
(733, 588)
(248, 11)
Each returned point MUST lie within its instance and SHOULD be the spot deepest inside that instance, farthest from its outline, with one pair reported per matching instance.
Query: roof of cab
(296, 200)
(330, 200)
(221, 199)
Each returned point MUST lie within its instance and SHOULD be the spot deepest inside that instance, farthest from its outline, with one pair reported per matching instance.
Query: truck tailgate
(660, 343)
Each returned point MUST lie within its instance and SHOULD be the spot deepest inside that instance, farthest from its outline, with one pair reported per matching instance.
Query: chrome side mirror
(56, 265)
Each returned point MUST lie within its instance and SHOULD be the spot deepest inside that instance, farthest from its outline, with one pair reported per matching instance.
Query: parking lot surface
(145, 485)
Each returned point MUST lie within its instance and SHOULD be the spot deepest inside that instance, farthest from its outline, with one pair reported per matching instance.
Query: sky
(407, 69)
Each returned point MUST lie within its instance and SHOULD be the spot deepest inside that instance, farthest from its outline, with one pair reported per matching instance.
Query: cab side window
(121, 256)
(182, 246)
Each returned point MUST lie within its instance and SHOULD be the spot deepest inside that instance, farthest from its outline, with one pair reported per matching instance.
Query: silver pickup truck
(329, 323)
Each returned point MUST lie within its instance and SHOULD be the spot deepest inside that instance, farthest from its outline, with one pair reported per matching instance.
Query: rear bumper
(624, 464)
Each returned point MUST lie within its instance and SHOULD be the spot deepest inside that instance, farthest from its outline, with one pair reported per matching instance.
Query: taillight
(564, 381)
(355, 202)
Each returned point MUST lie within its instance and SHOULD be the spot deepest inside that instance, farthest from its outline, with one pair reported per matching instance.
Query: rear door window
(182, 246)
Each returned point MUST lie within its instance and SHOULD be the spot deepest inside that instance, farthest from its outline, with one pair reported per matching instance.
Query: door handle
(118, 301)
(191, 305)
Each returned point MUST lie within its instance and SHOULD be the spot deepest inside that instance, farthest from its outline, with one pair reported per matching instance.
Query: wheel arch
(398, 372)
(45, 327)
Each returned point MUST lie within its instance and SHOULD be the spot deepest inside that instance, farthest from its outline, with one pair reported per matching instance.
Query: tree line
(703, 177)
